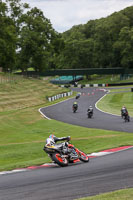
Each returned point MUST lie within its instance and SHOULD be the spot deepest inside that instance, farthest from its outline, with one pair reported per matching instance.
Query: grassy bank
(113, 102)
(24, 93)
(126, 194)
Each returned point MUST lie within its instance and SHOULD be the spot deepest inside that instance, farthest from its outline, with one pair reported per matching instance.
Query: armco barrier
(58, 96)
(120, 84)
(97, 85)
(85, 85)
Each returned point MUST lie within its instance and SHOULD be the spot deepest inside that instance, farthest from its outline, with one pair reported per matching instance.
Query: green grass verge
(120, 90)
(126, 194)
(113, 102)
(106, 79)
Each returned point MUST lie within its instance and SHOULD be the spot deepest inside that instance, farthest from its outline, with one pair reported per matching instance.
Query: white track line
(50, 106)
(102, 110)
(13, 171)
(97, 154)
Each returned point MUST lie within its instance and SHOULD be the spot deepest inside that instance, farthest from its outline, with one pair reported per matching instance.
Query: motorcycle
(65, 153)
(126, 118)
(75, 108)
(90, 114)
(77, 96)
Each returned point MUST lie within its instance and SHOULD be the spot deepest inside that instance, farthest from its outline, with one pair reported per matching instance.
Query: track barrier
(58, 96)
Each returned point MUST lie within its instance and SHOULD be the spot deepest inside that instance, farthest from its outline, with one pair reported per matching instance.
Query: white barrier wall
(58, 96)
(86, 85)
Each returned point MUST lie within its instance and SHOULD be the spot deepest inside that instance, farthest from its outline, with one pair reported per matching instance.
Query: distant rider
(124, 112)
(75, 105)
(78, 95)
(90, 110)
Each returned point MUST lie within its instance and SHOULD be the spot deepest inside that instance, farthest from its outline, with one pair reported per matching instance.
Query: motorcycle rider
(75, 105)
(78, 96)
(124, 111)
(52, 139)
(90, 110)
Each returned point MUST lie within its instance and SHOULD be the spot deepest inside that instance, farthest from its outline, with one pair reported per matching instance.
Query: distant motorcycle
(126, 117)
(89, 114)
(77, 96)
(62, 157)
(75, 108)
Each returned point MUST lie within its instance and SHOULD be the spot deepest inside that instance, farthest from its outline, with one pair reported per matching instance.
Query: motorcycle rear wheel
(89, 115)
(74, 110)
(61, 161)
(83, 157)
(127, 118)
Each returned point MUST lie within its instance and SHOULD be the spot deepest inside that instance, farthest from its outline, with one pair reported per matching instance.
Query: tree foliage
(27, 39)
(108, 42)
(35, 40)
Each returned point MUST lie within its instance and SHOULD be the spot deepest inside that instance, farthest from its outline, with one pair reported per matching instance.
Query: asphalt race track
(101, 174)
(63, 112)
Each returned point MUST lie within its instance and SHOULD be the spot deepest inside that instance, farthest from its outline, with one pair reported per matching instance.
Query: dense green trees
(7, 39)
(108, 42)
(27, 39)
(124, 46)
(76, 54)
(35, 40)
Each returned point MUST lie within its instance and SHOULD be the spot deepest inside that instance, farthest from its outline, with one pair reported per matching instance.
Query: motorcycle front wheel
(83, 157)
(60, 160)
